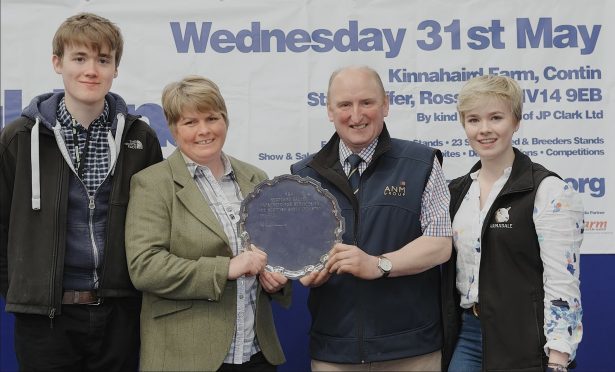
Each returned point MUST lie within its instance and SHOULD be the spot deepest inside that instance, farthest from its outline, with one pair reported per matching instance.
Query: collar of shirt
(193, 166)
(504, 176)
(66, 119)
(366, 154)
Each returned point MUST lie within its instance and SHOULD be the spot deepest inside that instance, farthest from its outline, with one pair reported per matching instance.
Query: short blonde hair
(90, 30)
(192, 93)
(480, 87)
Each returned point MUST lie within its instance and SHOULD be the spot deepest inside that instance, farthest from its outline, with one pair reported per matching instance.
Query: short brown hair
(192, 93)
(90, 30)
(502, 87)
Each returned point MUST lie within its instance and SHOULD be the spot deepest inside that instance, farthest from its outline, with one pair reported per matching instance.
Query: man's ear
(385, 106)
(57, 64)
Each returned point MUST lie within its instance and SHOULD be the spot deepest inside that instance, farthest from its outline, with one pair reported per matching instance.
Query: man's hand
(350, 259)
(272, 282)
(247, 263)
(315, 278)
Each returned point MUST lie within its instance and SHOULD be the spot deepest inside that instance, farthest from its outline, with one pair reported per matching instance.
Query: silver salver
(294, 220)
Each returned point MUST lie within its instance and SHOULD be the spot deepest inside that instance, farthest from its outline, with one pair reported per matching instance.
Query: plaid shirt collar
(366, 154)
(193, 166)
(66, 119)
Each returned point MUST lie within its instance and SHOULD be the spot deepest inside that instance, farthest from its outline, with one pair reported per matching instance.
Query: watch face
(385, 264)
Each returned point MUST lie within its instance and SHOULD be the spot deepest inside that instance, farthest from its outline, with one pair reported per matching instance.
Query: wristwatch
(556, 367)
(385, 266)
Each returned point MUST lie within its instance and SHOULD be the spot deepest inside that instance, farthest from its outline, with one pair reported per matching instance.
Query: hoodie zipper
(92, 210)
(52, 314)
(92, 207)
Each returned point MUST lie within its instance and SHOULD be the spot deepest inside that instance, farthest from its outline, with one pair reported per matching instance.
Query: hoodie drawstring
(115, 145)
(36, 171)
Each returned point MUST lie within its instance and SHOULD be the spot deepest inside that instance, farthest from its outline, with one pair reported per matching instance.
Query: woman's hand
(558, 361)
(272, 282)
(248, 263)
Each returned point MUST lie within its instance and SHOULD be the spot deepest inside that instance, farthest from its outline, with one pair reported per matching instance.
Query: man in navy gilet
(376, 305)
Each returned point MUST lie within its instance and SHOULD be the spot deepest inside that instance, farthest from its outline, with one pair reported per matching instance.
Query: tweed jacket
(178, 255)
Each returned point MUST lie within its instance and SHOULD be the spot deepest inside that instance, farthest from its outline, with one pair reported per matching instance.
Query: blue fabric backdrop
(595, 352)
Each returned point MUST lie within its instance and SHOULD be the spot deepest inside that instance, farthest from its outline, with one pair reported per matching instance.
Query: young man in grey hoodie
(65, 168)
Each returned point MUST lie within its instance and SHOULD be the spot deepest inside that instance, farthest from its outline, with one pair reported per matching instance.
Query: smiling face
(357, 107)
(490, 126)
(87, 74)
(200, 136)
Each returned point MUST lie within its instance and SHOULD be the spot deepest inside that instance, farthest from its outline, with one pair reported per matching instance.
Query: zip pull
(92, 205)
(52, 314)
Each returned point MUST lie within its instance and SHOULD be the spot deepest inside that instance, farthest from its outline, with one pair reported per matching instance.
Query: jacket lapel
(191, 197)
(245, 179)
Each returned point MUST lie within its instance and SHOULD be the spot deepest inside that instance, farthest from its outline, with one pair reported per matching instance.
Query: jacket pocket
(167, 307)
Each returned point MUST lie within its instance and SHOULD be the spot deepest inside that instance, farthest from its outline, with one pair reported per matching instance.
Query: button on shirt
(92, 148)
(556, 208)
(224, 198)
(435, 217)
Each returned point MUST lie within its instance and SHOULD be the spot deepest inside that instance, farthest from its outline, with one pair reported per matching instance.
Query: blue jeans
(468, 352)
